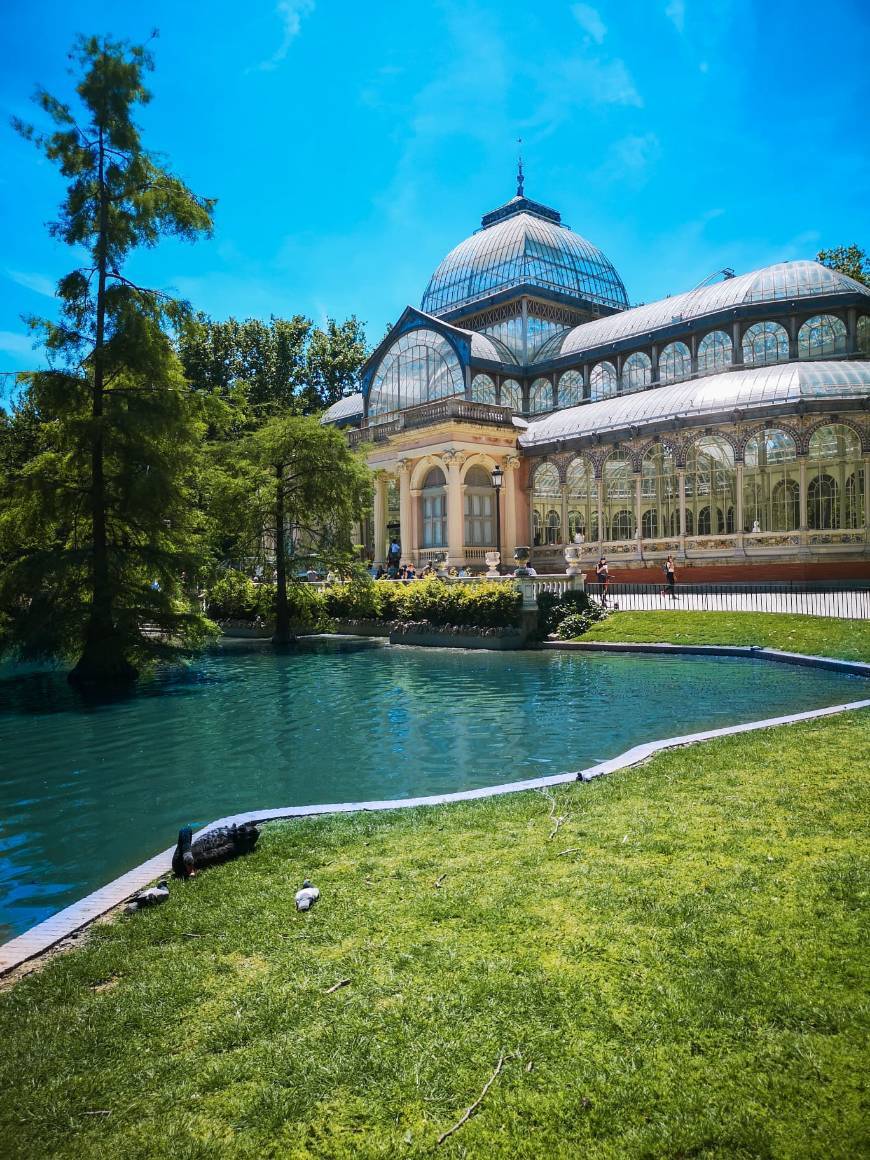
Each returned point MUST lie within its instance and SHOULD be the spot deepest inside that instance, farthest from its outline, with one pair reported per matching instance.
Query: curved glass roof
(785, 280)
(783, 384)
(523, 248)
(485, 346)
(347, 408)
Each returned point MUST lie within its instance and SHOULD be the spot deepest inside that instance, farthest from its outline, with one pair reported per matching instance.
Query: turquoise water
(88, 790)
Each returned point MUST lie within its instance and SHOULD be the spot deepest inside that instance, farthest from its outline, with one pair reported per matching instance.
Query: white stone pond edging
(73, 919)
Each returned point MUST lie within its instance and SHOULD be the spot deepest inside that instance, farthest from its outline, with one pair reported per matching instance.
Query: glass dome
(523, 244)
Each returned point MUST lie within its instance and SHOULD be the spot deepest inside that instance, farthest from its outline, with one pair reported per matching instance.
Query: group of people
(602, 576)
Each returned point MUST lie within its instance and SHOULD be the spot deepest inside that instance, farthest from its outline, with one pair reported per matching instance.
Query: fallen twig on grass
(99, 1112)
(570, 850)
(337, 986)
(439, 882)
(558, 820)
(476, 1103)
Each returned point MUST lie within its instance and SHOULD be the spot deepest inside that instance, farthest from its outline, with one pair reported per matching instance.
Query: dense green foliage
(680, 971)
(235, 596)
(850, 260)
(555, 609)
(813, 635)
(98, 526)
(488, 604)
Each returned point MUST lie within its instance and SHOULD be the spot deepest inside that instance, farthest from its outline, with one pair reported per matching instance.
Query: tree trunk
(103, 659)
(282, 612)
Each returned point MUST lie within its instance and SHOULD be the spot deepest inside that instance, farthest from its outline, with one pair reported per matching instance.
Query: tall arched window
(675, 363)
(863, 334)
(433, 508)
(570, 389)
(618, 492)
(659, 490)
(636, 372)
(418, 367)
(603, 381)
(771, 483)
(711, 486)
(834, 456)
(482, 389)
(540, 396)
(512, 395)
(855, 499)
(765, 342)
(622, 525)
(479, 508)
(546, 503)
(714, 352)
(823, 335)
(582, 500)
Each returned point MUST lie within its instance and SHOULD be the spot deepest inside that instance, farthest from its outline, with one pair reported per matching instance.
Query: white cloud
(629, 160)
(290, 13)
(38, 283)
(676, 13)
(12, 343)
(590, 21)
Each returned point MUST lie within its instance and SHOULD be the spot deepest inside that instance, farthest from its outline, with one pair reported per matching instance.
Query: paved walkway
(845, 605)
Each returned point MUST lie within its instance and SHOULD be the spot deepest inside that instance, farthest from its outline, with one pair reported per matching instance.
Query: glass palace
(727, 426)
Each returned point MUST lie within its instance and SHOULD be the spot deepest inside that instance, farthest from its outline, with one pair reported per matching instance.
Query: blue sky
(352, 145)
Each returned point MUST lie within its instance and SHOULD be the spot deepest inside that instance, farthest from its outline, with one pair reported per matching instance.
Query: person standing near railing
(670, 577)
(602, 575)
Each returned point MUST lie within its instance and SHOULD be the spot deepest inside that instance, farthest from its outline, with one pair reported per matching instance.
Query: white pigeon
(307, 896)
(150, 897)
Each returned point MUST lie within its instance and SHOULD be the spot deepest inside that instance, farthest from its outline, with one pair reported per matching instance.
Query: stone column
(737, 345)
(804, 516)
(638, 514)
(866, 496)
(406, 527)
(851, 330)
(380, 519)
(792, 329)
(681, 488)
(511, 514)
(455, 509)
(601, 528)
(738, 506)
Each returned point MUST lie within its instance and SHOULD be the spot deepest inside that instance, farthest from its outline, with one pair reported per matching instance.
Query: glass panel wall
(540, 396)
(482, 389)
(765, 342)
(771, 484)
(570, 389)
(715, 352)
(835, 479)
(675, 363)
(823, 335)
(636, 372)
(511, 395)
(711, 487)
(863, 336)
(659, 493)
(582, 491)
(603, 381)
(546, 506)
(619, 520)
(419, 367)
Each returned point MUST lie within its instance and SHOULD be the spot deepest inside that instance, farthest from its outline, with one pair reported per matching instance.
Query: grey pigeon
(150, 897)
(307, 896)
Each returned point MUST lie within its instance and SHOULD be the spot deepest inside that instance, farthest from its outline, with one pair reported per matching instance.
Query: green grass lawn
(814, 635)
(679, 971)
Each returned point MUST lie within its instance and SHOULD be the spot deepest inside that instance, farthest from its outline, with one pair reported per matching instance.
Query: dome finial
(520, 178)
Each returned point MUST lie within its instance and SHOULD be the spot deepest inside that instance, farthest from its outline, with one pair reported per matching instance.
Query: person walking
(602, 575)
(670, 577)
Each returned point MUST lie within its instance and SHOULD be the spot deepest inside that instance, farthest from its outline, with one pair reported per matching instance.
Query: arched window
(823, 335)
(765, 342)
(711, 486)
(622, 525)
(636, 372)
(546, 499)
(675, 363)
(715, 352)
(855, 499)
(658, 487)
(418, 367)
(482, 389)
(433, 508)
(603, 381)
(770, 482)
(570, 389)
(834, 455)
(479, 508)
(618, 490)
(863, 334)
(540, 396)
(512, 395)
(582, 500)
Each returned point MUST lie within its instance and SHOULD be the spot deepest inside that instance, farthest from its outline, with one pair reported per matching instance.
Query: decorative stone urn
(441, 567)
(522, 556)
(493, 559)
(572, 560)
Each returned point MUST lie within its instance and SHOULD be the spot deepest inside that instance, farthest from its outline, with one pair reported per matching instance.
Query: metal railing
(454, 407)
(806, 598)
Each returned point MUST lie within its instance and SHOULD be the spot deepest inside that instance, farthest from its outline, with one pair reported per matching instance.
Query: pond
(89, 790)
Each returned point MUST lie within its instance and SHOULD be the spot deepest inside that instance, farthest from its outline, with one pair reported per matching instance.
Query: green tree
(100, 522)
(850, 260)
(333, 361)
(295, 485)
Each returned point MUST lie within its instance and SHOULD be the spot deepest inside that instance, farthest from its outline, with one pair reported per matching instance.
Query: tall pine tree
(98, 535)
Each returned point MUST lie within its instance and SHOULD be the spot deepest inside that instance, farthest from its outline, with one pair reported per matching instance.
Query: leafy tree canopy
(849, 260)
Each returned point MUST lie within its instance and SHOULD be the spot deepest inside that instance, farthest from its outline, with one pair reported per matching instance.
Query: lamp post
(497, 477)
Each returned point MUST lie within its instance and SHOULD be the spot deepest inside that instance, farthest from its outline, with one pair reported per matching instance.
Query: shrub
(553, 609)
(577, 623)
(489, 604)
(236, 597)
(233, 597)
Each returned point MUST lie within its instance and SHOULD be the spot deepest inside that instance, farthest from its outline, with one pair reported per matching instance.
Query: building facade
(728, 426)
